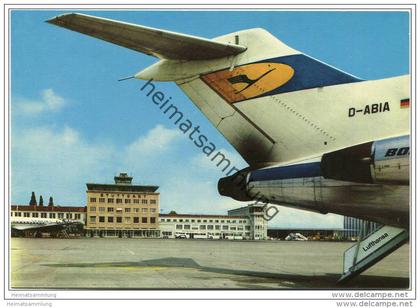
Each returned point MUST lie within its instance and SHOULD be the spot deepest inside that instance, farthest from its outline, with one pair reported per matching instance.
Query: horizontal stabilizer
(156, 42)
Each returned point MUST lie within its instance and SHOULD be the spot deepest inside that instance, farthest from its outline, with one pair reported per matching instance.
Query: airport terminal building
(122, 209)
(356, 227)
(39, 212)
(245, 223)
(257, 222)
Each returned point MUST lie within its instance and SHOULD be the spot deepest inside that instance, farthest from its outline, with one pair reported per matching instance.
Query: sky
(73, 123)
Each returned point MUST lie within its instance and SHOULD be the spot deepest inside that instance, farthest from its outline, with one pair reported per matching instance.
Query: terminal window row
(139, 196)
(111, 219)
(46, 215)
(169, 233)
(212, 227)
(120, 201)
(126, 210)
(204, 221)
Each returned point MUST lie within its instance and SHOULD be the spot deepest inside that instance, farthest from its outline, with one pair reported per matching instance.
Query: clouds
(49, 102)
(56, 162)
(157, 140)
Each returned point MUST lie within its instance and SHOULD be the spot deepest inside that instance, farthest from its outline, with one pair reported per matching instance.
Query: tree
(41, 201)
(33, 199)
(51, 202)
(172, 212)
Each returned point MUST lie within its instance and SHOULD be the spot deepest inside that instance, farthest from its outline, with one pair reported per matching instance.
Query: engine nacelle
(235, 186)
(384, 161)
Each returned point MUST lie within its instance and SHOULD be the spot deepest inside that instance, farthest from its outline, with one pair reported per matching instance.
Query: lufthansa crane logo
(248, 81)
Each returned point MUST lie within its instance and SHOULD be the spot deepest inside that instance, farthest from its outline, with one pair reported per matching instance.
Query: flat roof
(199, 216)
(119, 187)
(55, 208)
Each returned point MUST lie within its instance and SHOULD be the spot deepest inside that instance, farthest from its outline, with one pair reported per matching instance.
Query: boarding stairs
(371, 249)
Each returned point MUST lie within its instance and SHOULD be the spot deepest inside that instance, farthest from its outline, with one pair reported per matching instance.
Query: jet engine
(235, 186)
(384, 161)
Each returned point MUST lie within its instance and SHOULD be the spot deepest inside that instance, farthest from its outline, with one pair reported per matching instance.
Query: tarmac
(113, 263)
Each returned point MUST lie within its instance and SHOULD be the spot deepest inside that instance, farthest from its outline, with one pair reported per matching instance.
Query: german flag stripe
(405, 103)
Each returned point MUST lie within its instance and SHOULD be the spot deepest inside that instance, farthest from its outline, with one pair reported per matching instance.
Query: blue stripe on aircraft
(289, 172)
(309, 73)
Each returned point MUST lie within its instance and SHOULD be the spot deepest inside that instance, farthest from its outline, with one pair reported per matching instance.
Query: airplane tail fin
(277, 105)
(270, 67)
(270, 101)
(241, 95)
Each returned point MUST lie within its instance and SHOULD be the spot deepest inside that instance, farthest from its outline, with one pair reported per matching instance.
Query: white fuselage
(26, 223)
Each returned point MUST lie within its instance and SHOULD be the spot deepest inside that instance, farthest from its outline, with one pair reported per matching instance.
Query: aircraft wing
(155, 42)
